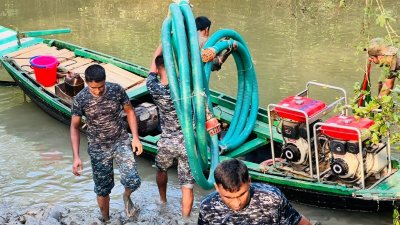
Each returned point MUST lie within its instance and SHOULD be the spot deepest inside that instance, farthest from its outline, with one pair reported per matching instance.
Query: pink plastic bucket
(45, 68)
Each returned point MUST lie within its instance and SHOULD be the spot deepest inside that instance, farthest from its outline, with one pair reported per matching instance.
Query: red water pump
(295, 113)
(350, 152)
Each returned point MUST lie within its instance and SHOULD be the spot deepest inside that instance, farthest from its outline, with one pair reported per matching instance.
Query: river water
(291, 42)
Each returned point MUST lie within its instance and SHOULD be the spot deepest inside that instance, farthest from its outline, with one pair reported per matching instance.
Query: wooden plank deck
(23, 56)
(74, 64)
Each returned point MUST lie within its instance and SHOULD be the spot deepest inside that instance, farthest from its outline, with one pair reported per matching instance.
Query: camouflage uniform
(171, 144)
(267, 206)
(108, 137)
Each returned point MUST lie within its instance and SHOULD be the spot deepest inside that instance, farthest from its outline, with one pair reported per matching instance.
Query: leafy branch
(385, 110)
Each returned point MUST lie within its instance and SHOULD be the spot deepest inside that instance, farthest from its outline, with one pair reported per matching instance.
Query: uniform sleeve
(124, 99)
(201, 220)
(76, 108)
(288, 214)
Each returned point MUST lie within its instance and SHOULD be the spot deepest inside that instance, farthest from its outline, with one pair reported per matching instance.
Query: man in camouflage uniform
(172, 143)
(103, 103)
(237, 201)
(385, 55)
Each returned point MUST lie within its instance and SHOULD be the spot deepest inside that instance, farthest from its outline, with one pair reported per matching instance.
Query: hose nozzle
(208, 54)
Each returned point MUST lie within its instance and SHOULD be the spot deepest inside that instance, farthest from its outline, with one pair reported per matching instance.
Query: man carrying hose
(385, 55)
(172, 143)
(103, 103)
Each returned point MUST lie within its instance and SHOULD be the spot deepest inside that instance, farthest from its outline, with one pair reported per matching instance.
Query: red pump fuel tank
(307, 105)
(348, 121)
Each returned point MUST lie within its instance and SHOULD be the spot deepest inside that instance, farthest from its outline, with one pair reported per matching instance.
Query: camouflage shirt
(267, 206)
(162, 98)
(103, 114)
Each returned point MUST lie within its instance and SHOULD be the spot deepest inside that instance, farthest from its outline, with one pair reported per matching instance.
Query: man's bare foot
(162, 202)
(130, 209)
(105, 220)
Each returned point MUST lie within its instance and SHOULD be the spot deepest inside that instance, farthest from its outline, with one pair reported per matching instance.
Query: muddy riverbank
(47, 214)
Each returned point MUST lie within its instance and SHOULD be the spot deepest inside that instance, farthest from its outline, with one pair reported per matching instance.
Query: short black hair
(159, 60)
(231, 174)
(202, 23)
(95, 73)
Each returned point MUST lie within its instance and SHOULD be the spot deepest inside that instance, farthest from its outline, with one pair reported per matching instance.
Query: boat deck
(74, 64)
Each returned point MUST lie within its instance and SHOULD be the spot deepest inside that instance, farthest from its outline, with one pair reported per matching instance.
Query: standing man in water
(172, 143)
(238, 201)
(103, 103)
(385, 55)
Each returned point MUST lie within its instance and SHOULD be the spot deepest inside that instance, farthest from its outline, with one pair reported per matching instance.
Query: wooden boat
(378, 193)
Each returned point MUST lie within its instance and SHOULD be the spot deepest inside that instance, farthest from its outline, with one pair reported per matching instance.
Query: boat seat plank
(120, 71)
(64, 55)
(23, 59)
(75, 63)
(137, 85)
(125, 82)
(125, 78)
(25, 50)
(137, 91)
(44, 50)
(111, 77)
(81, 70)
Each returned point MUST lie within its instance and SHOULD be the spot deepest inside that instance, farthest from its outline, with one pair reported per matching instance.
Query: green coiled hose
(190, 90)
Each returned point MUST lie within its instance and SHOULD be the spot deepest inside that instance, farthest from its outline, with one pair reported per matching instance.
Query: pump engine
(345, 149)
(294, 128)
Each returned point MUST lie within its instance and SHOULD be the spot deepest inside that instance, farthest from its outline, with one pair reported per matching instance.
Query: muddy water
(290, 42)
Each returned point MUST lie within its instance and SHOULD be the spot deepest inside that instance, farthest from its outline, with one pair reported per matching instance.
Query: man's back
(162, 98)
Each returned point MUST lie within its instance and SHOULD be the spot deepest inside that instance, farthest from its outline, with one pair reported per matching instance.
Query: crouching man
(238, 201)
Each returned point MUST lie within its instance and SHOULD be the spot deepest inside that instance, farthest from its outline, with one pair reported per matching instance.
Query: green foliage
(384, 17)
(385, 111)
(385, 72)
(342, 3)
(396, 216)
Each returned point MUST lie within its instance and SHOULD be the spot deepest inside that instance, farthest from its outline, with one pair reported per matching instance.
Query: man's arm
(131, 117)
(220, 59)
(304, 221)
(77, 166)
(387, 87)
(289, 214)
(157, 52)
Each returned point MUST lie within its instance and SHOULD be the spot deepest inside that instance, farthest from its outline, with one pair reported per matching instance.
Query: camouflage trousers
(102, 156)
(170, 149)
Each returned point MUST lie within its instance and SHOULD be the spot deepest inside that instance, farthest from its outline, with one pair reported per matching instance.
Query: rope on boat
(179, 37)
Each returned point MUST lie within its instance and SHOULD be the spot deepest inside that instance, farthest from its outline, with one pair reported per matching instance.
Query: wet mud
(57, 214)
